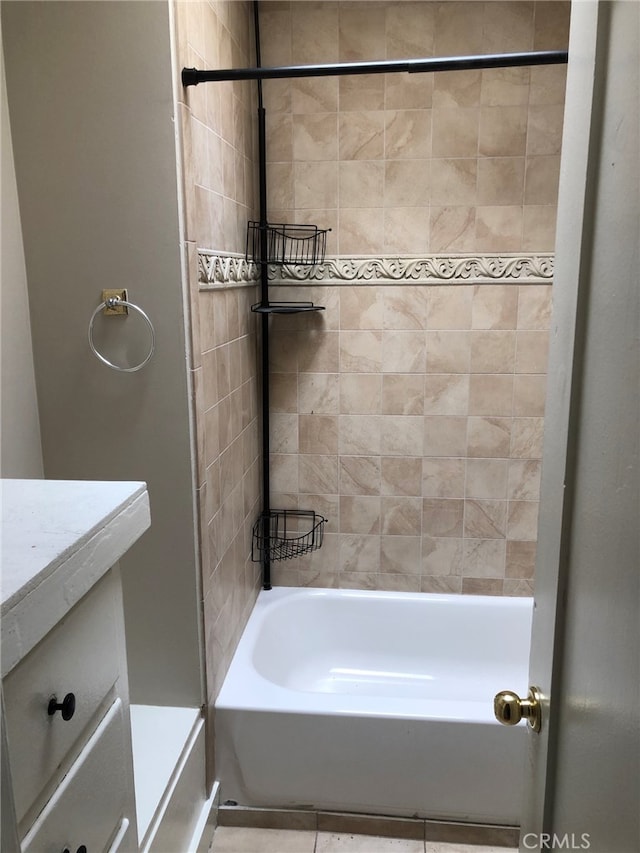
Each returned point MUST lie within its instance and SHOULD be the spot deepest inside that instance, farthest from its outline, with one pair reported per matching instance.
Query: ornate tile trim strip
(434, 269)
(216, 270)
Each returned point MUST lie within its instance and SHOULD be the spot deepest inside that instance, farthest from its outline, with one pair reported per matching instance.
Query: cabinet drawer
(81, 655)
(89, 806)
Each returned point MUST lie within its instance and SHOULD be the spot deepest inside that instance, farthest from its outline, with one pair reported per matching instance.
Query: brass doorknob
(509, 708)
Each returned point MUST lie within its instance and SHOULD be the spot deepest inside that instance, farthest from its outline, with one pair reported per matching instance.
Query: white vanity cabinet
(73, 778)
(65, 688)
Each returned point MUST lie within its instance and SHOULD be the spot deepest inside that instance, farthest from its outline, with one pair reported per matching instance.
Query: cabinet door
(89, 806)
(79, 656)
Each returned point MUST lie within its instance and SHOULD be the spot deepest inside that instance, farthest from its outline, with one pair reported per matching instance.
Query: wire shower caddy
(287, 244)
(282, 534)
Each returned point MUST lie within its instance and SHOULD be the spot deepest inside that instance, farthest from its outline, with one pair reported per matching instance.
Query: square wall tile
(403, 352)
(443, 477)
(493, 351)
(314, 95)
(361, 393)
(494, 307)
(359, 553)
(401, 476)
(359, 514)
(359, 475)
(485, 519)
(361, 352)
(317, 434)
(315, 393)
(361, 135)
(360, 435)
(401, 435)
(406, 230)
(520, 560)
(455, 131)
(402, 394)
(445, 436)
(532, 352)
(361, 230)
(401, 515)
(484, 558)
(400, 554)
(361, 183)
(450, 352)
(488, 478)
(361, 308)
(361, 92)
(442, 517)
(452, 228)
(405, 307)
(442, 558)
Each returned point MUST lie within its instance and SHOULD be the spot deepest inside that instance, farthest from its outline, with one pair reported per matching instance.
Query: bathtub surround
(496, 362)
(463, 161)
(410, 412)
(411, 416)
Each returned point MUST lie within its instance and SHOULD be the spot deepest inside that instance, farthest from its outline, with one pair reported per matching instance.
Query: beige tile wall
(412, 418)
(412, 415)
(463, 161)
(217, 137)
(217, 123)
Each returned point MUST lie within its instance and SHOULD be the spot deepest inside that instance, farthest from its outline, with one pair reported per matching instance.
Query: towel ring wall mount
(115, 303)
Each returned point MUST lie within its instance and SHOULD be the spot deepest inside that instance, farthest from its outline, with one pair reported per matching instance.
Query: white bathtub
(376, 702)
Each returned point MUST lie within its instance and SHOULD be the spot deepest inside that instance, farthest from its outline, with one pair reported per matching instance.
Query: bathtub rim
(265, 696)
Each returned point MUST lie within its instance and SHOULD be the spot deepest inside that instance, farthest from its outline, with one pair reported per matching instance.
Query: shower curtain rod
(192, 76)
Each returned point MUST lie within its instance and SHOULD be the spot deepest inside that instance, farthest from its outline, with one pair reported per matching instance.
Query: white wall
(90, 92)
(20, 453)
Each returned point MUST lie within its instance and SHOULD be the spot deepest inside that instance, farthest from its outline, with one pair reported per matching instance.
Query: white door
(583, 778)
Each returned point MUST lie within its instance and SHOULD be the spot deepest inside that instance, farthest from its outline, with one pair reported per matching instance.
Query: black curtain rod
(191, 76)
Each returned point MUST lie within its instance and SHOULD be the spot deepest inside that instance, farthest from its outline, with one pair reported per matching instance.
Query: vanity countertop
(59, 537)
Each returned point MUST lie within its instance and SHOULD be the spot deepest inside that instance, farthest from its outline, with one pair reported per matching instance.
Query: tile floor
(231, 839)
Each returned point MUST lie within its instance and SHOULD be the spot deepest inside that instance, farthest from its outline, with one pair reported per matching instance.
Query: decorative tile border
(434, 269)
(220, 271)
(217, 270)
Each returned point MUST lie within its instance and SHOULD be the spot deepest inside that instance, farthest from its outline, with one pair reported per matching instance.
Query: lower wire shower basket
(282, 534)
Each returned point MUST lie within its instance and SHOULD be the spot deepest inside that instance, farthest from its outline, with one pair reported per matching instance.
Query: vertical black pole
(264, 317)
(264, 298)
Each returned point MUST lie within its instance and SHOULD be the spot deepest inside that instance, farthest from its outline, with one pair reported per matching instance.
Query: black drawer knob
(67, 708)
(81, 849)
